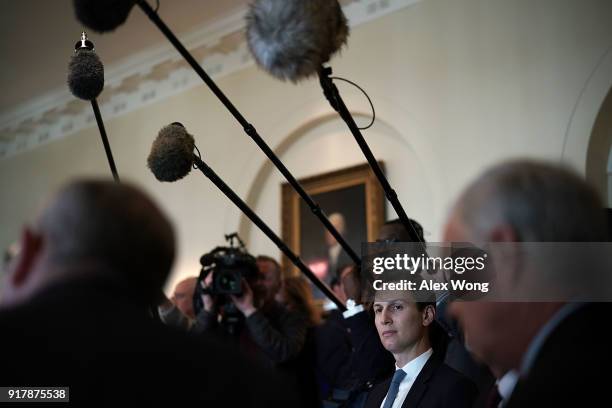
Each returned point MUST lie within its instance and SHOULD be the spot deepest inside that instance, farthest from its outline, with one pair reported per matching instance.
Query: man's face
(350, 284)
(268, 281)
(485, 324)
(399, 323)
(183, 297)
(391, 232)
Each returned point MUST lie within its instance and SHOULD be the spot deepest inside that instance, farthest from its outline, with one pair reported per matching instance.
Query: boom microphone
(86, 81)
(102, 15)
(174, 141)
(291, 39)
(248, 128)
(171, 154)
(85, 71)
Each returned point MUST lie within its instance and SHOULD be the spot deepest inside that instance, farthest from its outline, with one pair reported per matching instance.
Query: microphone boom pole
(229, 193)
(248, 128)
(86, 81)
(107, 148)
(335, 100)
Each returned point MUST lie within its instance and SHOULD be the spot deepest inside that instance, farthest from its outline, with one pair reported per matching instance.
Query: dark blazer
(457, 356)
(436, 386)
(91, 336)
(573, 366)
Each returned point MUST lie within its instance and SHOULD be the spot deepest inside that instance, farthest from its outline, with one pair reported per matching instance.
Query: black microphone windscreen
(291, 39)
(171, 154)
(85, 75)
(102, 15)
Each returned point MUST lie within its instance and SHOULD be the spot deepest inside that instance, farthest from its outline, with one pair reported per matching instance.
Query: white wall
(458, 85)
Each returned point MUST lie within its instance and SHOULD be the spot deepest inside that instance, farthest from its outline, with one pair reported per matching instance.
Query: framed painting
(353, 200)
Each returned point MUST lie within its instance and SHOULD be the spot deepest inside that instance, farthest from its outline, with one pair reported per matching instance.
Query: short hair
(402, 235)
(422, 298)
(113, 226)
(543, 203)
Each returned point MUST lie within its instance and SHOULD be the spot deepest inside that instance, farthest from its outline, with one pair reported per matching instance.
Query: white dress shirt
(505, 386)
(412, 370)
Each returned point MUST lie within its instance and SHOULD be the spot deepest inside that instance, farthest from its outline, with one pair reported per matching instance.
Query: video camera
(228, 265)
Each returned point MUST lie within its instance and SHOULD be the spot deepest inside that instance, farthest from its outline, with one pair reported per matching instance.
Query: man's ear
(503, 233)
(506, 260)
(428, 315)
(31, 248)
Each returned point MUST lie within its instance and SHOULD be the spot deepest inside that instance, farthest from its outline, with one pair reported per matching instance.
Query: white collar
(505, 385)
(414, 366)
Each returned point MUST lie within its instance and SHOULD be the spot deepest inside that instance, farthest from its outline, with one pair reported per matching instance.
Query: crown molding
(151, 76)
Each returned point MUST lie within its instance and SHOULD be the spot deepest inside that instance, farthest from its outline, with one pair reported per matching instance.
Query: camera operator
(270, 333)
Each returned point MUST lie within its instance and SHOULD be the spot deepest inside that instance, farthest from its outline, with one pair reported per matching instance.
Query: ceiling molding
(150, 76)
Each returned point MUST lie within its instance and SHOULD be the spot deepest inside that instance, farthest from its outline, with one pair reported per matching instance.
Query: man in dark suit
(421, 378)
(556, 346)
(76, 302)
(457, 356)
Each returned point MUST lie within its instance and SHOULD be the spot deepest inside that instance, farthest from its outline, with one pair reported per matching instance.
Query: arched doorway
(599, 153)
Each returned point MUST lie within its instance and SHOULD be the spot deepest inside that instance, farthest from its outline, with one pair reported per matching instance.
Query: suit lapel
(378, 394)
(420, 384)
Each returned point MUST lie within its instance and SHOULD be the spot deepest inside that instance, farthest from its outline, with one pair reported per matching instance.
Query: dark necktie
(394, 388)
(494, 397)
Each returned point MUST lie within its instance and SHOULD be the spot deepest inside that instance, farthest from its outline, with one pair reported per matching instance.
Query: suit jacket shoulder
(93, 339)
(436, 386)
(568, 370)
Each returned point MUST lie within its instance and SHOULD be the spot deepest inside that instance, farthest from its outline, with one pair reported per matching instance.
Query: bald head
(183, 295)
(519, 201)
(100, 225)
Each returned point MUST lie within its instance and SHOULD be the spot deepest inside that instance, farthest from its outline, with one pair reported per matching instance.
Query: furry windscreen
(85, 75)
(102, 15)
(171, 154)
(291, 39)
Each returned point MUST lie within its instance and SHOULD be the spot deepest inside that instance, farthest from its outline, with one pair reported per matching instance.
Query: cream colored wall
(458, 85)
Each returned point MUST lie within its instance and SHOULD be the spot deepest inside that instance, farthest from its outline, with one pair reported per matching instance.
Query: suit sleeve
(205, 321)
(280, 343)
(461, 394)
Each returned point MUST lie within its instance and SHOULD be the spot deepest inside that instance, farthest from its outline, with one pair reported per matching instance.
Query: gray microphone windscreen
(171, 154)
(102, 15)
(85, 75)
(291, 39)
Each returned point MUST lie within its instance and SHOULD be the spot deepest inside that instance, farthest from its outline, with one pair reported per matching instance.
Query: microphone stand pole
(107, 148)
(229, 193)
(249, 129)
(333, 96)
(85, 44)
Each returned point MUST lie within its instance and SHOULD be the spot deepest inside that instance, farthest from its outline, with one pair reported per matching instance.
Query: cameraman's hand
(207, 300)
(244, 303)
